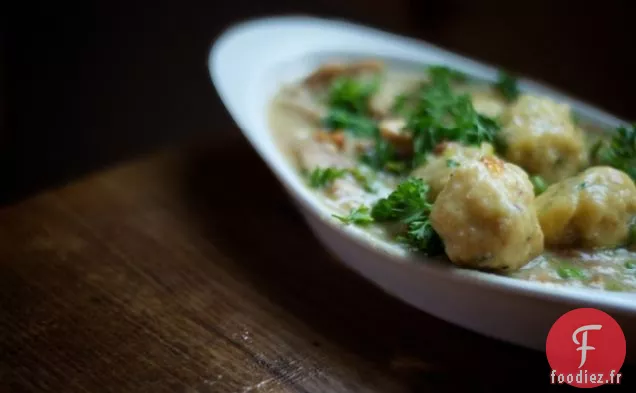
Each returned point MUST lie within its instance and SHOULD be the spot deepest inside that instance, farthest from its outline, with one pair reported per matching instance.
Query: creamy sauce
(295, 121)
(613, 270)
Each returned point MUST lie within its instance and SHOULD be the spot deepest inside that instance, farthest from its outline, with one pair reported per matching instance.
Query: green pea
(568, 272)
(539, 184)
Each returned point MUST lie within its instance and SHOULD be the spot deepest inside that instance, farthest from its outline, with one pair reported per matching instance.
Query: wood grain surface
(190, 271)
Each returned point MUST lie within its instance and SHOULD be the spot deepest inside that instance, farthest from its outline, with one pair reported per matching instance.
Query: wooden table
(190, 271)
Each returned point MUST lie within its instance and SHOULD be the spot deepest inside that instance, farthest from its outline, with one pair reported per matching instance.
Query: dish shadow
(234, 199)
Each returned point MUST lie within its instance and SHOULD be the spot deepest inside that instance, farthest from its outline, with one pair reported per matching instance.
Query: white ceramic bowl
(248, 64)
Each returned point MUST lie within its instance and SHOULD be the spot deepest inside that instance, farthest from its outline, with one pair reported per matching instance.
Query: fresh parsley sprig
(440, 72)
(380, 155)
(323, 177)
(348, 102)
(407, 205)
(507, 86)
(440, 115)
(407, 200)
(619, 152)
(358, 216)
(356, 124)
(352, 94)
(363, 179)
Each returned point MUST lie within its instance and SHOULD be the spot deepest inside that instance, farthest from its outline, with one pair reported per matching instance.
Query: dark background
(86, 84)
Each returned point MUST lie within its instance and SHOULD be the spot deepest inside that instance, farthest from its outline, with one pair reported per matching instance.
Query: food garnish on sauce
(480, 174)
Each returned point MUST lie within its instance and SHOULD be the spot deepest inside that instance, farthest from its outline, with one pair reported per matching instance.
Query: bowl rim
(222, 59)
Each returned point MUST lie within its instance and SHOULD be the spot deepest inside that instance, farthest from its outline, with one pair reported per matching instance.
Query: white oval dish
(250, 62)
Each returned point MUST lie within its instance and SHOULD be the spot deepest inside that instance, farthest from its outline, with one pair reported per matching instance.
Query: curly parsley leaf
(348, 110)
(433, 114)
(363, 179)
(450, 163)
(421, 236)
(323, 177)
(356, 124)
(474, 128)
(348, 102)
(352, 94)
(619, 152)
(408, 205)
(408, 199)
(440, 115)
(507, 86)
(380, 155)
(400, 103)
(448, 74)
(396, 167)
(358, 216)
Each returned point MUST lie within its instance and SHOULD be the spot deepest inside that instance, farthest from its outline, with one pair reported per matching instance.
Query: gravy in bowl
(480, 174)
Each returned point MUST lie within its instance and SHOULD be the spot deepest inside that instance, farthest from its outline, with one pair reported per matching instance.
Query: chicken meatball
(541, 137)
(592, 209)
(486, 218)
(446, 159)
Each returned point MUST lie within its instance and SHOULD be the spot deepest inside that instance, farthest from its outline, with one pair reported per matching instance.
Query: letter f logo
(584, 347)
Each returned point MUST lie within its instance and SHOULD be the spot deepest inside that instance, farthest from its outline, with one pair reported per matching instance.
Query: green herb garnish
(408, 199)
(397, 167)
(408, 205)
(445, 73)
(630, 264)
(619, 152)
(358, 216)
(362, 179)
(352, 95)
(568, 272)
(539, 184)
(433, 114)
(507, 86)
(400, 104)
(356, 124)
(348, 101)
(322, 177)
(450, 163)
(381, 154)
(440, 115)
